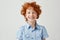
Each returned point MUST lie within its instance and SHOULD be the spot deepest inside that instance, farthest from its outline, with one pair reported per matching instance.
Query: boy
(31, 30)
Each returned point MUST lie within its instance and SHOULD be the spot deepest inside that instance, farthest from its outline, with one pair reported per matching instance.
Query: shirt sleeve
(44, 33)
(19, 34)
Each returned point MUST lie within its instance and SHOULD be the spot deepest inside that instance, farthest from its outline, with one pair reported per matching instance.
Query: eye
(28, 12)
(33, 12)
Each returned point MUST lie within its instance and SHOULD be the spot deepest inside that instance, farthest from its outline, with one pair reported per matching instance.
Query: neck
(32, 24)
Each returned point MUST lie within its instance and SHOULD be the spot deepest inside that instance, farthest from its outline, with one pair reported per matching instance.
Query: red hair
(32, 4)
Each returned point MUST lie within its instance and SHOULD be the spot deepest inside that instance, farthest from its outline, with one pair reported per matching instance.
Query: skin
(31, 16)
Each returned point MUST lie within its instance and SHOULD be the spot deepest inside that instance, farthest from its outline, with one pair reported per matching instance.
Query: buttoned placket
(34, 32)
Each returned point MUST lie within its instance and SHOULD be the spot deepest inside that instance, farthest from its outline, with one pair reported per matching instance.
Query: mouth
(31, 18)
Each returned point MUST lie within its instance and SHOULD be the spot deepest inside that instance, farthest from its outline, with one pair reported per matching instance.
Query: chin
(32, 20)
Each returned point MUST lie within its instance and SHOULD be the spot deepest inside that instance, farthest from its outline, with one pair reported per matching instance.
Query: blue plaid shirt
(26, 32)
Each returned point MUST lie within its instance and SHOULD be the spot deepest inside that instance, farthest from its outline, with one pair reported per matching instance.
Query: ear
(25, 15)
(25, 18)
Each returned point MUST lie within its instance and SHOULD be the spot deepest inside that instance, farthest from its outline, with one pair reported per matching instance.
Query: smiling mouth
(31, 17)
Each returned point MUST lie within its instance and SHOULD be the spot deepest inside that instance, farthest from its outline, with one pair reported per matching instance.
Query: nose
(31, 14)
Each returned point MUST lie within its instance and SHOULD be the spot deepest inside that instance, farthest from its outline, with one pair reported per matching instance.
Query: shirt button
(32, 38)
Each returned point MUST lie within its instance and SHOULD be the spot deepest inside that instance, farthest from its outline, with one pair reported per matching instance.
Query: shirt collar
(28, 26)
(37, 26)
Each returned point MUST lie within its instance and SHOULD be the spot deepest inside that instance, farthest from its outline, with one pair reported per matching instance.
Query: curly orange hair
(32, 4)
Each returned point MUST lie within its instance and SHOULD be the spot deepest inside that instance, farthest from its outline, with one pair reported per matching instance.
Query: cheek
(26, 16)
(35, 16)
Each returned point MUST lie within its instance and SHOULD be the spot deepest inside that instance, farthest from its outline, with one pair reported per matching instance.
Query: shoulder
(21, 27)
(41, 26)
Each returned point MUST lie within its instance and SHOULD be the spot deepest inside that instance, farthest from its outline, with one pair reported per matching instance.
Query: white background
(11, 19)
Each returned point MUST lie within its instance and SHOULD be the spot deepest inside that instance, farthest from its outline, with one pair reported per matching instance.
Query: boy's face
(31, 14)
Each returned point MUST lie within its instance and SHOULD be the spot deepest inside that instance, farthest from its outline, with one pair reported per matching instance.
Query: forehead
(30, 9)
